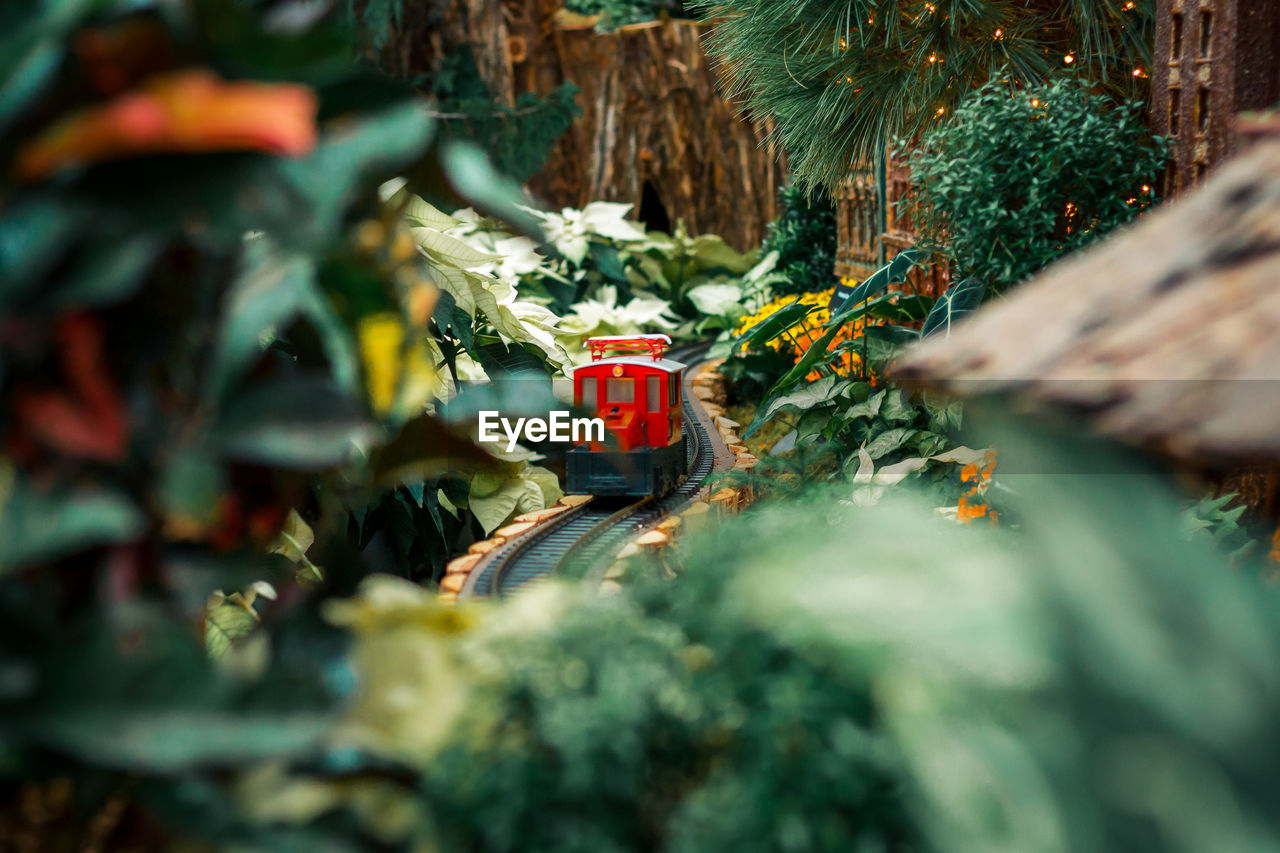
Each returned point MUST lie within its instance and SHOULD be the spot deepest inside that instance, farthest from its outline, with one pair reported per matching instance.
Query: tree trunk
(654, 132)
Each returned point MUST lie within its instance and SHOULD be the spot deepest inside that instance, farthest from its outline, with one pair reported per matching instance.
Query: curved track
(576, 541)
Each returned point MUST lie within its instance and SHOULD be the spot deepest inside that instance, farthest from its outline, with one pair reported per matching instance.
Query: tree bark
(654, 127)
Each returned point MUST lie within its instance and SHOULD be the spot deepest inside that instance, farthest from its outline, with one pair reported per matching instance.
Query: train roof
(665, 365)
(649, 337)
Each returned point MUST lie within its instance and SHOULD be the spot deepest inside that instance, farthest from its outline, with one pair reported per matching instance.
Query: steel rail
(581, 538)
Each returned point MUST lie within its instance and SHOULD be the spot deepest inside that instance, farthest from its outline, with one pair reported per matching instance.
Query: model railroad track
(578, 541)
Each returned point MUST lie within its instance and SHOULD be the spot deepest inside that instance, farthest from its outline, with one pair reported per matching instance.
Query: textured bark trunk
(655, 131)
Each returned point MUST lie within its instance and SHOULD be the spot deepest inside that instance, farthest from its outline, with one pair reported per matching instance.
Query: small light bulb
(1068, 59)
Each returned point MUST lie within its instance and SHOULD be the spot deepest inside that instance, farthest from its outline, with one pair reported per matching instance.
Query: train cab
(637, 392)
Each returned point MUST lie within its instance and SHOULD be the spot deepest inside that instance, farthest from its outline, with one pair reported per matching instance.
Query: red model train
(637, 393)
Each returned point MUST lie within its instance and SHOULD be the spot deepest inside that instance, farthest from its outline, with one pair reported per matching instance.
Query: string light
(999, 34)
(1146, 188)
(933, 58)
(941, 110)
(1138, 72)
(1035, 102)
(844, 45)
(1068, 59)
(1128, 6)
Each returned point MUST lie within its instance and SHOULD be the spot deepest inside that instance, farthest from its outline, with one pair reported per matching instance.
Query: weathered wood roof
(1167, 333)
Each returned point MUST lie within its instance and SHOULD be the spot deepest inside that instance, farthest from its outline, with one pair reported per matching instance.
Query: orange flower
(969, 511)
(180, 112)
(968, 472)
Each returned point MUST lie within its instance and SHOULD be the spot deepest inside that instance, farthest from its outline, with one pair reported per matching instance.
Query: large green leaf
(878, 282)
(110, 269)
(302, 423)
(38, 525)
(889, 441)
(958, 302)
(806, 397)
(376, 144)
(262, 298)
(907, 308)
(34, 234)
(168, 739)
(470, 174)
(774, 325)
(424, 449)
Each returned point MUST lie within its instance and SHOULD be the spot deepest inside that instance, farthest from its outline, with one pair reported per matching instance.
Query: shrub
(1022, 176)
(804, 236)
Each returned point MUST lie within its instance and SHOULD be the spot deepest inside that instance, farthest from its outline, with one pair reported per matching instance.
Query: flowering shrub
(972, 504)
(798, 337)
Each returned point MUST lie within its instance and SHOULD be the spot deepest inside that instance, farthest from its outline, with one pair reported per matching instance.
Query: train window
(620, 391)
(673, 388)
(654, 393)
(589, 393)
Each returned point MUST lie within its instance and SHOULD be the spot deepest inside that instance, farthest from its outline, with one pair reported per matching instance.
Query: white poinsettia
(571, 231)
(603, 315)
(468, 263)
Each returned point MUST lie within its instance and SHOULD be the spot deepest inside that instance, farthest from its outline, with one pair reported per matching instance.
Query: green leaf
(774, 325)
(376, 145)
(471, 175)
(947, 413)
(958, 302)
(805, 398)
(897, 408)
(878, 282)
(452, 251)
(868, 408)
(263, 298)
(716, 300)
(493, 507)
(170, 739)
(889, 441)
(224, 626)
(301, 423)
(25, 73)
(424, 449)
(34, 234)
(712, 252)
(508, 360)
(907, 308)
(44, 525)
(608, 262)
(192, 482)
(110, 271)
